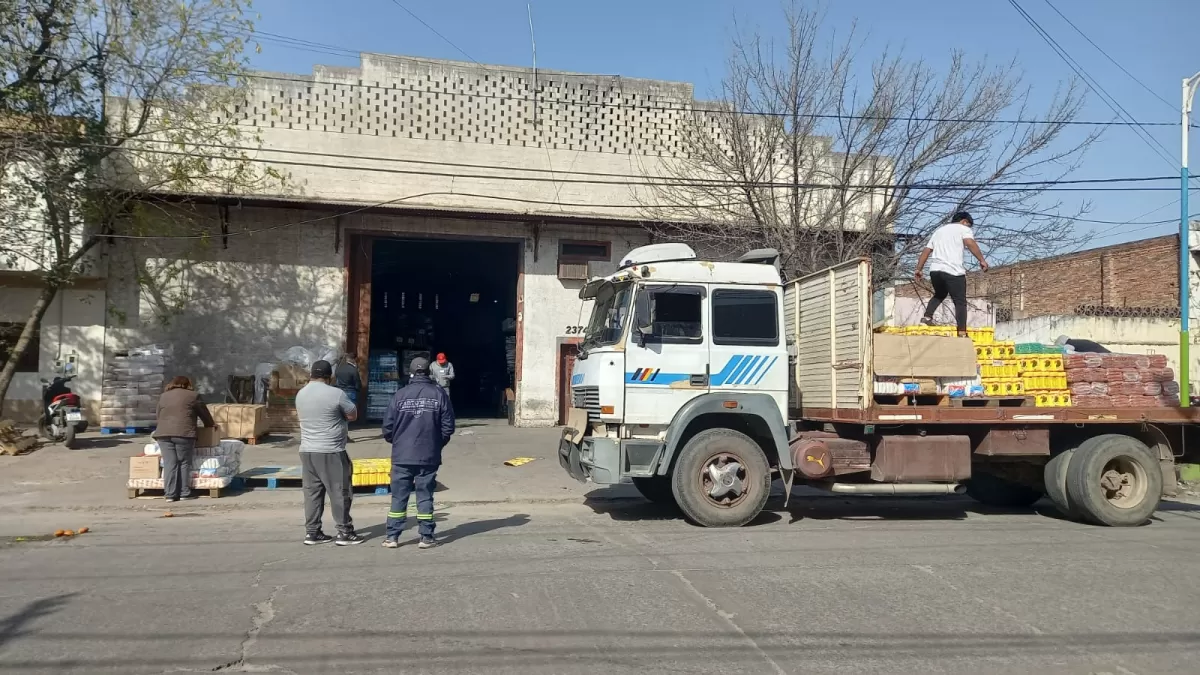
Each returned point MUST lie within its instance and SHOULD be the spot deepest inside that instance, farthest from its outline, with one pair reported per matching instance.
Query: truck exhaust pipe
(893, 489)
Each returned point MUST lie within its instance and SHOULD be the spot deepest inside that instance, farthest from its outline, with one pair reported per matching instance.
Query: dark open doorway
(454, 297)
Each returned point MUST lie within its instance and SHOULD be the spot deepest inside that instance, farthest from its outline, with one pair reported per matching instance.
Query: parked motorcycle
(62, 416)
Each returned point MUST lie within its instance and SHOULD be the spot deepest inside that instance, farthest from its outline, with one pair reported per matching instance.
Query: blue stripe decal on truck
(740, 369)
(751, 373)
(764, 372)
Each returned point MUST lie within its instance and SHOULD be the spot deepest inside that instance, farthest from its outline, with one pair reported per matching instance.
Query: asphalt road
(830, 587)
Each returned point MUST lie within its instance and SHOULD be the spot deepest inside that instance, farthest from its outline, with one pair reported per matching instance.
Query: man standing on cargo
(418, 423)
(946, 271)
(325, 412)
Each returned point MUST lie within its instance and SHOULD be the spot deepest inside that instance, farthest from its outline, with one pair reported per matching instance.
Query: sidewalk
(93, 476)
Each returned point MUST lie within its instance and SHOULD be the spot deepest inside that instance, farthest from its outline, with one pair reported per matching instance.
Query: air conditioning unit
(573, 271)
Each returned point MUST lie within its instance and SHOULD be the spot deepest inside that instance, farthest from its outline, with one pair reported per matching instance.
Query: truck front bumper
(593, 459)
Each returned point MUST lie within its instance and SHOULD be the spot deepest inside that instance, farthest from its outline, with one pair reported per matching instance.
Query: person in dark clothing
(346, 378)
(178, 408)
(418, 423)
(1082, 346)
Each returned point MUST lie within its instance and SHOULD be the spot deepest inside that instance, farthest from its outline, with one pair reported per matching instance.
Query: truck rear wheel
(1055, 477)
(656, 489)
(1115, 480)
(992, 490)
(722, 479)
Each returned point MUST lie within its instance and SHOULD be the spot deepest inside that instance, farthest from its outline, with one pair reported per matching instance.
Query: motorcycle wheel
(69, 437)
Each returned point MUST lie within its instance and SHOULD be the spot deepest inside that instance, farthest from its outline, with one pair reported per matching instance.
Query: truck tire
(992, 490)
(656, 489)
(1115, 480)
(721, 479)
(1055, 477)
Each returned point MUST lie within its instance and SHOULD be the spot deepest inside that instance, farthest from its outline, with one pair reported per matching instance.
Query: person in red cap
(442, 371)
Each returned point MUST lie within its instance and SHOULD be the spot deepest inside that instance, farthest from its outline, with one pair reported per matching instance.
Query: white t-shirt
(947, 245)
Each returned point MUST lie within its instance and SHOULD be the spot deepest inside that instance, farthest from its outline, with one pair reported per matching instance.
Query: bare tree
(801, 155)
(106, 104)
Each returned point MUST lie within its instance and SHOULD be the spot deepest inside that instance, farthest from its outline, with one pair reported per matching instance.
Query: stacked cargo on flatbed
(839, 362)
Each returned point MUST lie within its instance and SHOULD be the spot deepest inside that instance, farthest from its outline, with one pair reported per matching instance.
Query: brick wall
(1142, 274)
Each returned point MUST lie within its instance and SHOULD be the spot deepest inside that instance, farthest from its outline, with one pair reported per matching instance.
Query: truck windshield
(609, 314)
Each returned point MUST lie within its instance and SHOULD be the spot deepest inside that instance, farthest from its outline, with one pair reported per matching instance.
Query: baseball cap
(321, 370)
(961, 216)
(418, 366)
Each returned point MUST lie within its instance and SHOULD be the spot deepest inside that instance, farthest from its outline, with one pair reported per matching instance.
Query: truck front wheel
(1115, 480)
(722, 479)
(657, 489)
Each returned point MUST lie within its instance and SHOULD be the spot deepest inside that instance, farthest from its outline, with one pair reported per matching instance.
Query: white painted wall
(272, 290)
(73, 325)
(1132, 336)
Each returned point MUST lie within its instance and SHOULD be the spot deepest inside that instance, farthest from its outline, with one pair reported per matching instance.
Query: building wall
(1142, 274)
(73, 326)
(225, 309)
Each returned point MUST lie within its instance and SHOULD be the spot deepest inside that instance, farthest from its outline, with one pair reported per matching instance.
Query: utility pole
(1185, 250)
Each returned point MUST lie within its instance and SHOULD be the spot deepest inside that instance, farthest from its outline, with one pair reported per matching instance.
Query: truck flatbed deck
(891, 414)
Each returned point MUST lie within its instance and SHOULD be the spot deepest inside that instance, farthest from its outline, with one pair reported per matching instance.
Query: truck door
(666, 356)
(746, 348)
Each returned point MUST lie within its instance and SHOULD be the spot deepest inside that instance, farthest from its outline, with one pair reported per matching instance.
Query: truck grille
(588, 398)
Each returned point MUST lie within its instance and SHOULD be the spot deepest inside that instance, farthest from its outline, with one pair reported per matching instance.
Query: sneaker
(428, 542)
(391, 543)
(349, 539)
(317, 538)
(172, 499)
(188, 498)
(926, 321)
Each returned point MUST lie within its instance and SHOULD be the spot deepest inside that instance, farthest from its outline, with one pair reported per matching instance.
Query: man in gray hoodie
(442, 372)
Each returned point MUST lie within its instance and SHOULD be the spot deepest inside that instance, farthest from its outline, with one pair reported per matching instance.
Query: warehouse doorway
(426, 296)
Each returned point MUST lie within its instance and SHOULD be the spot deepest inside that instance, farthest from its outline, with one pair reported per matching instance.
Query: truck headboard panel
(827, 318)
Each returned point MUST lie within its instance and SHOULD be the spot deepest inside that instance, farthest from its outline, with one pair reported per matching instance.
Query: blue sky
(1158, 41)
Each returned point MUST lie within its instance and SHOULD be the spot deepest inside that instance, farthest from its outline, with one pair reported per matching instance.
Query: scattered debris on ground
(17, 441)
(518, 461)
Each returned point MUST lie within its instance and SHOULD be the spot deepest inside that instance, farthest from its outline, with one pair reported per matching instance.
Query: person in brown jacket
(178, 408)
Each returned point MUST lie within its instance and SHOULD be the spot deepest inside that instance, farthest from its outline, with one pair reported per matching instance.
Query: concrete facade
(224, 308)
(73, 329)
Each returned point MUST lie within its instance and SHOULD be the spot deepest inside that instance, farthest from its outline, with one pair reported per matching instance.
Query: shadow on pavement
(480, 526)
(13, 627)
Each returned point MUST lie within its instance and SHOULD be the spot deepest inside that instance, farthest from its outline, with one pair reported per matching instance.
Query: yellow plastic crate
(1045, 381)
(1003, 387)
(1059, 400)
(982, 336)
(999, 369)
(373, 465)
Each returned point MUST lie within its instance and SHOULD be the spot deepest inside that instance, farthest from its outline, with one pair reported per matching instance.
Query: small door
(567, 354)
(666, 355)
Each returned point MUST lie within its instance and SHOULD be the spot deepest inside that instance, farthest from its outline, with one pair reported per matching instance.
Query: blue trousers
(406, 479)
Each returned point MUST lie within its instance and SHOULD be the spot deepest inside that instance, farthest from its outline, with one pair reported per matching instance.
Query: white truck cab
(681, 385)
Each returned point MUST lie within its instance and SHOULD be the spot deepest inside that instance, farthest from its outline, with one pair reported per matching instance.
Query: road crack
(264, 614)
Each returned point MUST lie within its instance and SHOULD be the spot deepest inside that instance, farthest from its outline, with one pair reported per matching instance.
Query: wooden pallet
(958, 402)
(108, 431)
(213, 493)
(993, 402)
(282, 477)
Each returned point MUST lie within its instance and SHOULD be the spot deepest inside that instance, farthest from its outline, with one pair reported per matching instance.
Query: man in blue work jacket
(418, 423)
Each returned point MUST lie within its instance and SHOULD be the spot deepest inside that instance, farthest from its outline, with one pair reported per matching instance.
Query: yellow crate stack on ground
(371, 471)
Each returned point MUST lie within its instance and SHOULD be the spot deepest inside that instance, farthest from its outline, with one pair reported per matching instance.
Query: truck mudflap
(568, 457)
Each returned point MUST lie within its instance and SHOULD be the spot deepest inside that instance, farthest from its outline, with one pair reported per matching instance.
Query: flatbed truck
(702, 382)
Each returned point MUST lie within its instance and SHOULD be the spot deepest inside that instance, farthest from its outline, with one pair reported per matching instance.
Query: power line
(1015, 186)
(1092, 83)
(1110, 58)
(435, 32)
(600, 174)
